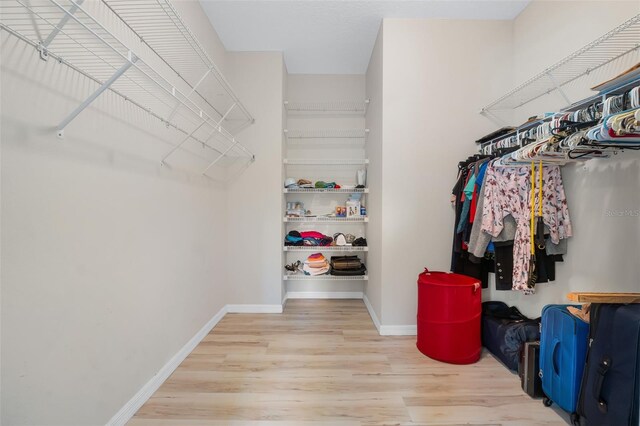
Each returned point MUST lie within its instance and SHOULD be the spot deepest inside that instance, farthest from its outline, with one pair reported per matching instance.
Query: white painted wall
(602, 255)
(110, 263)
(374, 122)
(431, 98)
(435, 75)
(254, 215)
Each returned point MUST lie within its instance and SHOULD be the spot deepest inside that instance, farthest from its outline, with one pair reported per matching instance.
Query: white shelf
(326, 133)
(327, 219)
(158, 25)
(302, 277)
(326, 191)
(326, 162)
(320, 249)
(62, 30)
(327, 107)
(609, 47)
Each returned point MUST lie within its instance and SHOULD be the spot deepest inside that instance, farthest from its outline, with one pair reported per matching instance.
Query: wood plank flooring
(322, 362)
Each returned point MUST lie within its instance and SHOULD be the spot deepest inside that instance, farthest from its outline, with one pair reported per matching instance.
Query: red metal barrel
(449, 314)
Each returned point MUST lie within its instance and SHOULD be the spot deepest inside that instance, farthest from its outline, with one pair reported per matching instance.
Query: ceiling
(331, 36)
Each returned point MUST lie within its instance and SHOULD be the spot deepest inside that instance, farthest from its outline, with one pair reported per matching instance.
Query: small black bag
(529, 370)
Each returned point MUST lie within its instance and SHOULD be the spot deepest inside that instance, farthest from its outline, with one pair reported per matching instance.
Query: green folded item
(321, 184)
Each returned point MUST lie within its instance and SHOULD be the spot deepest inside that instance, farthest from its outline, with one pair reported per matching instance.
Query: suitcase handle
(555, 350)
(602, 370)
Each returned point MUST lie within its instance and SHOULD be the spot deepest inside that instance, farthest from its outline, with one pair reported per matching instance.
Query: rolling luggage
(505, 330)
(611, 384)
(563, 349)
(529, 370)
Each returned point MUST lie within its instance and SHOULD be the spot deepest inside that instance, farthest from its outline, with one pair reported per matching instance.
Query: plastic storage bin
(449, 316)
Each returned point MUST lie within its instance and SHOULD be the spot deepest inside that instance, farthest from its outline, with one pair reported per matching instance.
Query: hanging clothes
(508, 192)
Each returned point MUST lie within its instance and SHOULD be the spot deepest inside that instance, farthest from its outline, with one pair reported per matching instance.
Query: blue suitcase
(610, 394)
(563, 349)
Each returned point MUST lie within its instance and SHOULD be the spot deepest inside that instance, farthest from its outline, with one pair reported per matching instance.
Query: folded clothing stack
(316, 264)
(347, 266)
(307, 238)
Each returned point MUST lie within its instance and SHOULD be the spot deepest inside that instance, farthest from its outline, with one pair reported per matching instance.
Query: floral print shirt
(508, 192)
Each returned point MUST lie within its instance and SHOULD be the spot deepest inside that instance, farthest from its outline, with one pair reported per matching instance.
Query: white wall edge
(324, 295)
(133, 405)
(372, 313)
(254, 309)
(398, 330)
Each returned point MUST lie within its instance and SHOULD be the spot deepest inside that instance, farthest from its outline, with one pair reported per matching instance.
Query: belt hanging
(539, 239)
(533, 276)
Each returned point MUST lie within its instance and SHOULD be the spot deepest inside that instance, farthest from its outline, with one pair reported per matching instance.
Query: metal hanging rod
(599, 98)
(63, 29)
(618, 42)
(160, 27)
(326, 133)
(337, 107)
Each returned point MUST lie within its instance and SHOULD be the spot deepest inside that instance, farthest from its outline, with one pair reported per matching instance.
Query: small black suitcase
(529, 370)
(610, 391)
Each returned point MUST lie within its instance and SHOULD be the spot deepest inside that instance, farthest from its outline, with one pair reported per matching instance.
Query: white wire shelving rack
(326, 219)
(159, 26)
(613, 45)
(325, 190)
(326, 134)
(65, 31)
(320, 249)
(326, 162)
(327, 107)
(302, 277)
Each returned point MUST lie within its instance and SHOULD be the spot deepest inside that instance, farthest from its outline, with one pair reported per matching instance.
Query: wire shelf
(325, 190)
(326, 134)
(326, 162)
(320, 249)
(302, 277)
(65, 31)
(159, 26)
(327, 219)
(616, 43)
(327, 107)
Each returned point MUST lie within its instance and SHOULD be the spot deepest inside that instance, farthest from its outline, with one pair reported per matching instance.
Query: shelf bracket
(44, 45)
(131, 59)
(558, 88)
(492, 117)
(175, 148)
(191, 92)
(216, 127)
(204, 172)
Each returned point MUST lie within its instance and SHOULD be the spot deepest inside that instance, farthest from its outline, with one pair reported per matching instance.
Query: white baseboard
(398, 330)
(324, 295)
(389, 330)
(372, 313)
(133, 405)
(254, 309)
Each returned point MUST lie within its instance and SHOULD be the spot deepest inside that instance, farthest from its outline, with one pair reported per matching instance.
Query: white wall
(254, 215)
(110, 263)
(602, 255)
(374, 122)
(435, 75)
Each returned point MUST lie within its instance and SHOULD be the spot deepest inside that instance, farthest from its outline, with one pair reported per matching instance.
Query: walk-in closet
(316, 212)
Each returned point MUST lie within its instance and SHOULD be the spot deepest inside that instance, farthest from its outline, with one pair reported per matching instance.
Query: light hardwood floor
(322, 362)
